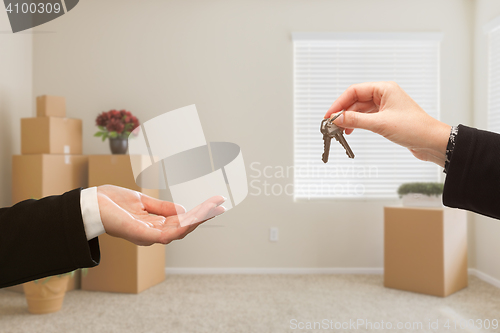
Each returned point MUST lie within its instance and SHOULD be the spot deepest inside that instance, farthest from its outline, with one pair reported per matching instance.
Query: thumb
(354, 119)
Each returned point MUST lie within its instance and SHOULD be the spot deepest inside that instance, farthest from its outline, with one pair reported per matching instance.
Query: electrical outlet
(273, 234)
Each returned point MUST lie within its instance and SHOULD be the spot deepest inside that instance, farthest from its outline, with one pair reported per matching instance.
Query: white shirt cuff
(90, 213)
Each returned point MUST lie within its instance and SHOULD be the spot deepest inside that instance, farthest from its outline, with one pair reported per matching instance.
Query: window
(325, 64)
(493, 31)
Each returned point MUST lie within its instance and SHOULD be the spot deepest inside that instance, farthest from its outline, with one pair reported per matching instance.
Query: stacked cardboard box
(125, 267)
(50, 162)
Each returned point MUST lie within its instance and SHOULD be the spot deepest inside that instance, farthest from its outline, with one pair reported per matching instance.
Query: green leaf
(113, 135)
(98, 134)
(104, 136)
(102, 128)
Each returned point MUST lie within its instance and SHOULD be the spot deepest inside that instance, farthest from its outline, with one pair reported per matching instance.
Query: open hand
(128, 214)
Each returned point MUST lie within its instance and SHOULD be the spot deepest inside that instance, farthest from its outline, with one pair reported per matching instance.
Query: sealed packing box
(37, 176)
(117, 170)
(41, 175)
(125, 267)
(50, 106)
(425, 250)
(51, 135)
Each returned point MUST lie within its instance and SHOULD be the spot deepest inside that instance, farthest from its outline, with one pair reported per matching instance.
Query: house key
(329, 131)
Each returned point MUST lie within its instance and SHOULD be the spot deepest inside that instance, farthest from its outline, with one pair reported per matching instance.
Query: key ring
(330, 120)
(322, 128)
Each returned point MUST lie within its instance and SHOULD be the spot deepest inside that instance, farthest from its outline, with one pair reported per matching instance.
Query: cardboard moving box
(51, 135)
(38, 176)
(425, 250)
(125, 267)
(50, 106)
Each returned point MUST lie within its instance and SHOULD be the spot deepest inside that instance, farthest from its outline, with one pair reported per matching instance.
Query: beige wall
(15, 97)
(486, 230)
(233, 59)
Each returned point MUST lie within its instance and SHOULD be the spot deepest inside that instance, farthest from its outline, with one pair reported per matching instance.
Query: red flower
(116, 121)
(115, 125)
(102, 119)
(115, 114)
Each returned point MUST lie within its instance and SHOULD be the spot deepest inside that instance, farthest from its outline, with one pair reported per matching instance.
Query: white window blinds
(494, 79)
(325, 64)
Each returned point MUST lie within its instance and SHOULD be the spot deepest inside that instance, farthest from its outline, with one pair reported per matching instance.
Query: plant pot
(118, 145)
(422, 200)
(46, 296)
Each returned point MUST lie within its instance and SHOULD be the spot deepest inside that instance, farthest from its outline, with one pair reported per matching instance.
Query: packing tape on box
(170, 150)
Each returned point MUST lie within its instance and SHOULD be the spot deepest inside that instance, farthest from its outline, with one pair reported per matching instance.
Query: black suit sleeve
(473, 177)
(45, 237)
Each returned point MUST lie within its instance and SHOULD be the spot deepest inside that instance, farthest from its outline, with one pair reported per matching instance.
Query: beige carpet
(254, 303)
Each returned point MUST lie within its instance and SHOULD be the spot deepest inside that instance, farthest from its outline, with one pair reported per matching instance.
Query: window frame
(314, 36)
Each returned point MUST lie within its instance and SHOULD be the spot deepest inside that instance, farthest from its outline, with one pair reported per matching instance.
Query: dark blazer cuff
(472, 179)
(456, 176)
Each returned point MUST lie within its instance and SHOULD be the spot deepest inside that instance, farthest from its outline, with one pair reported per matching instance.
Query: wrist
(439, 139)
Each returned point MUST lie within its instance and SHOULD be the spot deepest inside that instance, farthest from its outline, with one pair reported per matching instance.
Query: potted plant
(47, 295)
(117, 126)
(421, 194)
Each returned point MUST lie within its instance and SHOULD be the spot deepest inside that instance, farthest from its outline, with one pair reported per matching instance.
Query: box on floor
(125, 267)
(425, 250)
(37, 176)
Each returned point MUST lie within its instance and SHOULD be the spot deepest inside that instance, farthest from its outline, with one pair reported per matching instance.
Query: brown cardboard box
(41, 175)
(37, 176)
(425, 250)
(124, 267)
(117, 170)
(51, 135)
(50, 106)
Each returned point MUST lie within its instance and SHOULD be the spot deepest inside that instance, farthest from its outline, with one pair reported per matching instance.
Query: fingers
(160, 207)
(177, 227)
(208, 209)
(354, 119)
(147, 236)
(361, 93)
(366, 107)
(348, 131)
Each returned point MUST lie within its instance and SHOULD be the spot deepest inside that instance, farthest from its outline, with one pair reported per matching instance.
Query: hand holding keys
(329, 131)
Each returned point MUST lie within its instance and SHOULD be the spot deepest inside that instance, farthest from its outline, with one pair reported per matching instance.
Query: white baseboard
(263, 270)
(321, 270)
(485, 277)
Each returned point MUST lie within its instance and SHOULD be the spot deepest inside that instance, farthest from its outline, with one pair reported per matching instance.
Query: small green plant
(71, 274)
(422, 188)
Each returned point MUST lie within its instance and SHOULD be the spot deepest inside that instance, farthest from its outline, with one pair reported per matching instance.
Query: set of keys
(329, 131)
